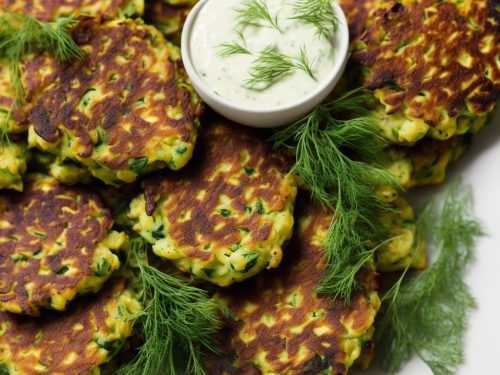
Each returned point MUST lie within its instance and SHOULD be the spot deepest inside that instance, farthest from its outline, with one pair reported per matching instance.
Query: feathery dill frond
(233, 48)
(339, 159)
(426, 314)
(21, 34)
(271, 65)
(253, 13)
(268, 66)
(179, 321)
(318, 13)
(302, 62)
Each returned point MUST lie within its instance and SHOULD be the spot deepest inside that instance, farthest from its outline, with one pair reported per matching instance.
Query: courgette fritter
(49, 10)
(226, 216)
(124, 110)
(76, 341)
(432, 65)
(281, 326)
(55, 242)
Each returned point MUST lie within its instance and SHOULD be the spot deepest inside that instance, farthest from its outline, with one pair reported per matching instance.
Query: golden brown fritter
(74, 342)
(225, 216)
(55, 242)
(433, 65)
(282, 326)
(124, 110)
(49, 10)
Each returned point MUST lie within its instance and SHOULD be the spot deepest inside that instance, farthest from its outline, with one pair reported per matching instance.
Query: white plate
(480, 168)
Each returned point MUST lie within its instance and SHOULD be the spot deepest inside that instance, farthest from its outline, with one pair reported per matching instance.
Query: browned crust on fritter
(75, 214)
(437, 33)
(220, 142)
(300, 271)
(48, 10)
(123, 84)
(58, 334)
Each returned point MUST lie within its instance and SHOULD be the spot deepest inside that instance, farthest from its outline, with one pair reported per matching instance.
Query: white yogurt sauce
(226, 76)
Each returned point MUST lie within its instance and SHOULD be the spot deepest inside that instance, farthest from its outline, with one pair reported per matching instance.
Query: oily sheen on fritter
(76, 341)
(124, 110)
(55, 242)
(226, 216)
(432, 65)
(281, 326)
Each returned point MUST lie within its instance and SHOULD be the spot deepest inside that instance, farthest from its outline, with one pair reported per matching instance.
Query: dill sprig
(271, 65)
(426, 314)
(339, 159)
(302, 62)
(253, 13)
(233, 48)
(21, 34)
(178, 323)
(318, 13)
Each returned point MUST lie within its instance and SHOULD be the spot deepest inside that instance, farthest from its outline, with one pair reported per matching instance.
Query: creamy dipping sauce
(226, 75)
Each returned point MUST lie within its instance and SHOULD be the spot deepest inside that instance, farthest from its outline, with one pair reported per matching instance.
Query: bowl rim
(339, 64)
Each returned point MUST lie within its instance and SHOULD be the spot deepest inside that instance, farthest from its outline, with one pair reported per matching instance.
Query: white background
(480, 168)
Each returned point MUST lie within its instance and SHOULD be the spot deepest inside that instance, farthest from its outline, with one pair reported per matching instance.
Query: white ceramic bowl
(266, 117)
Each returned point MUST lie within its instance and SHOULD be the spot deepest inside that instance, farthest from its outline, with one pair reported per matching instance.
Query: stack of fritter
(14, 153)
(122, 111)
(56, 242)
(89, 333)
(280, 324)
(433, 69)
(216, 201)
